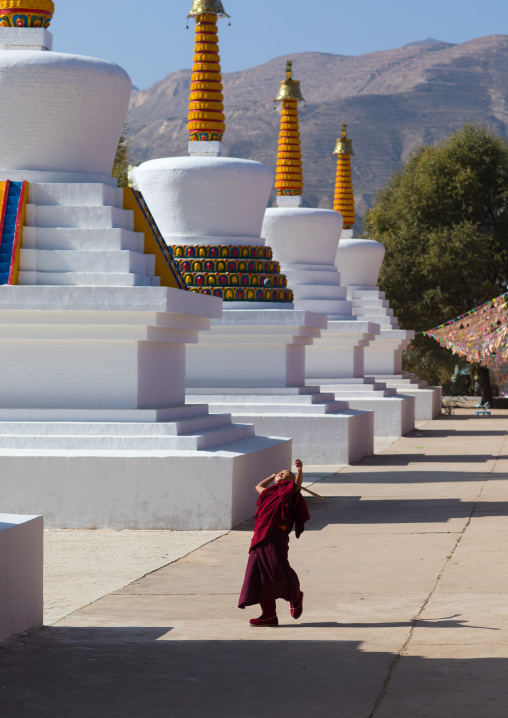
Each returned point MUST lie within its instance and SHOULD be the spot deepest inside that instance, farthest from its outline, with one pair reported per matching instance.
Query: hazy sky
(148, 37)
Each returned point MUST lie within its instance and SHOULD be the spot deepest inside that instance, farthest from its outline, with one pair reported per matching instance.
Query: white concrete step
(393, 415)
(318, 291)
(253, 392)
(366, 293)
(53, 418)
(386, 322)
(250, 400)
(79, 217)
(318, 438)
(74, 194)
(205, 439)
(88, 279)
(330, 407)
(370, 303)
(297, 277)
(373, 312)
(184, 425)
(346, 393)
(349, 381)
(70, 238)
(401, 380)
(68, 260)
(337, 307)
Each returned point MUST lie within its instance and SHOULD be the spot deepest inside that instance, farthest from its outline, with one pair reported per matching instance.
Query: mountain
(428, 41)
(392, 101)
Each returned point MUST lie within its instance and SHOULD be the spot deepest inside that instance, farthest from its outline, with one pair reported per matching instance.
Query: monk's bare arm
(265, 483)
(299, 474)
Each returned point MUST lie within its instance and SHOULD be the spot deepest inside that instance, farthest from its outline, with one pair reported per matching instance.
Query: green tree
(123, 159)
(443, 219)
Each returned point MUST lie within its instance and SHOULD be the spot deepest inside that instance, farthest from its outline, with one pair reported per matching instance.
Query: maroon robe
(268, 575)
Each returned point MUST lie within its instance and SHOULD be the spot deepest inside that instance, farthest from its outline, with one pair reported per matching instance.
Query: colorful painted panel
(165, 266)
(13, 18)
(233, 272)
(13, 198)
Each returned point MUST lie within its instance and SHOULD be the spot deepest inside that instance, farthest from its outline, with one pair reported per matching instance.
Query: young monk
(268, 575)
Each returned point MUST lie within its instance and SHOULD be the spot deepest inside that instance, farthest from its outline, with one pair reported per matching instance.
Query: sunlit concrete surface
(404, 572)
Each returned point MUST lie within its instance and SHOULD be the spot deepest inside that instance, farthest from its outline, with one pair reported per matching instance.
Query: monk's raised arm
(299, 474)
(265, 483)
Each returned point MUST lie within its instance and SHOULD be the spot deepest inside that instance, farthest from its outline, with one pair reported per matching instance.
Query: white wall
(21, 567)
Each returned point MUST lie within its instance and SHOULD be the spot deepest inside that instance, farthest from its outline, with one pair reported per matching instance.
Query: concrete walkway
(404, 572)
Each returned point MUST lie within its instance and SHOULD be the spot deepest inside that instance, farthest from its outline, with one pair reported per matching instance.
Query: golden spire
(207, 7)
(344, 199)
(206, 108)
(289, 174)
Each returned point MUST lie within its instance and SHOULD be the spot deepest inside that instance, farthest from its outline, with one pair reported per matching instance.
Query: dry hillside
(391, 100)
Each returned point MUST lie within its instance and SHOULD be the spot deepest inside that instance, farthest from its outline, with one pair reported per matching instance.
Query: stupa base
(181, 490)
(427, 398)
(394, 414)
(324, 431)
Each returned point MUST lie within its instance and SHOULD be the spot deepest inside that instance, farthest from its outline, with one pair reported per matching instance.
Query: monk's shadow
(448, 622)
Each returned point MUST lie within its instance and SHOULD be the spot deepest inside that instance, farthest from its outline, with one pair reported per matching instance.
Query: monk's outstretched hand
(299, 473)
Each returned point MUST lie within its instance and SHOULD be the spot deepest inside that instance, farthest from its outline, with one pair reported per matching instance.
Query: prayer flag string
(480, 335)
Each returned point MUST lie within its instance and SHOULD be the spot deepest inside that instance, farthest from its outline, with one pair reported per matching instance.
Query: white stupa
(359, 261)
(95, 431)
(305, 242)
(210, 210)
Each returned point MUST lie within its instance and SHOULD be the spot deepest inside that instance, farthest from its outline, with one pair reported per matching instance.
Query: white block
(21, 566)
(289, 201)
(75, 194)
(82, 239)
(26, 38)
(253, 348)
(142, 490)
(80, 217)
(206, 149)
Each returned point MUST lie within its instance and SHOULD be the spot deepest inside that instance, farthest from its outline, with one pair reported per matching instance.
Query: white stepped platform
(253, 362)
(394, 413)
(79, 216)
(324, 431)
(427, 398)
(74, 194)
(79, 235)
(82, 239)
(94, 428)
(68, 260)
(305, 242)
(383, 358)
(84, 279)
(21, 568)
(211, 431)
(359, 261)
(317, 289)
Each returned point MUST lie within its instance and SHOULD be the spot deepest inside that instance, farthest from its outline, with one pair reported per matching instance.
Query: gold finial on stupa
(344, 198)
(344, 145)
(289, 173)
(289, 88)
(26, 13)
(206, 102)
(207, 7)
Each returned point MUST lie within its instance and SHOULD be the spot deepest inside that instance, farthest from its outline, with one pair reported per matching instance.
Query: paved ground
(403, 567)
